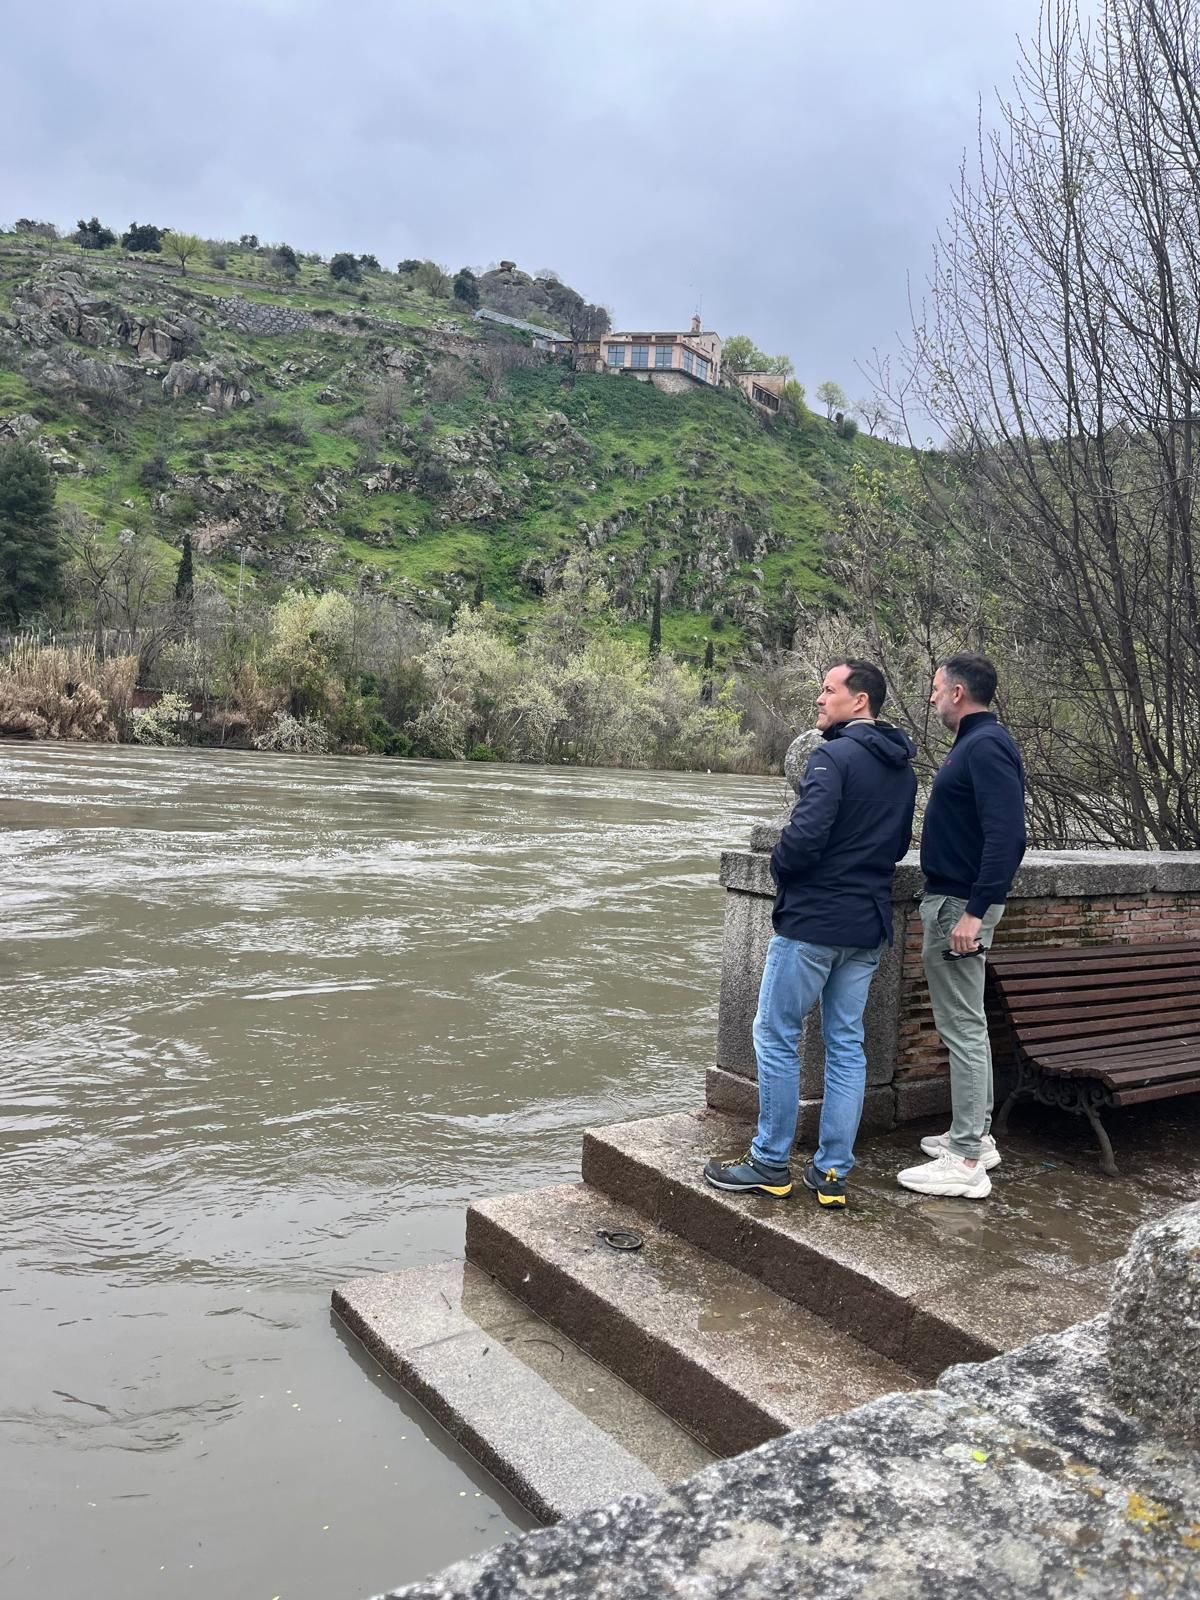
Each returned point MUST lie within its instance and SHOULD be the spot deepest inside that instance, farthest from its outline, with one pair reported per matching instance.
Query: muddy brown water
(270, 1023)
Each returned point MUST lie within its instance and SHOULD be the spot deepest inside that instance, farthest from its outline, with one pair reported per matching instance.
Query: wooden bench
(1109, 1025)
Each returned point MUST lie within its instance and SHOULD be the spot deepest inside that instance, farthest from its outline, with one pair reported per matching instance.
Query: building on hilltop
(763, 389)
(671, 361)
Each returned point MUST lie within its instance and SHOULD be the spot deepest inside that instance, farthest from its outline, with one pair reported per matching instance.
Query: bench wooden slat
(1147, 1055)
(1109, 977)
(1046, 954)
(1157, 1091)
(1042, 1050)
(1053, 1037)
(1159, 1007)
(1046, 991)
(1133, 1077)
(1135, 958)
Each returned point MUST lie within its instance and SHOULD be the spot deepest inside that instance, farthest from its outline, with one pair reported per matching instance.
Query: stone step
(560, 1432)
(718, 1351)
(926, 1281)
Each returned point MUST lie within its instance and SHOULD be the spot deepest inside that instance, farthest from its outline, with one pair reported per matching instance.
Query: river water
(270, 1023)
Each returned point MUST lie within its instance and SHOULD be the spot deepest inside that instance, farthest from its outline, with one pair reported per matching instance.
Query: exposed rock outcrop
(221, 390)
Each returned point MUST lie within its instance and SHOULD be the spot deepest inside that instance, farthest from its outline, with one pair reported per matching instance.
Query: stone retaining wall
(259, 318)
(1059, 897)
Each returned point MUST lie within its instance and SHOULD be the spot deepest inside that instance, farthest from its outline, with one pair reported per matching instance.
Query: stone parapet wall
(1059, 897)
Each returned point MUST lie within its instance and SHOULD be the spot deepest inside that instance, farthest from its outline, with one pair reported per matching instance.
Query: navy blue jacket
(974, 833)
(834, 863)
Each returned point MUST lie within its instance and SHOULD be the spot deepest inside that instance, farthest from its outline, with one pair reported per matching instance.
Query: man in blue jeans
(833, 869)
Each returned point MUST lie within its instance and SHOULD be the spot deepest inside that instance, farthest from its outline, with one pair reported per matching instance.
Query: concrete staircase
(575, 1372)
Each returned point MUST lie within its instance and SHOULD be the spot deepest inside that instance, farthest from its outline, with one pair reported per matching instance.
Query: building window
(765, 399)
(662, 355)
(688, 361)
(641, 355)
(702, 369)
(616, 355)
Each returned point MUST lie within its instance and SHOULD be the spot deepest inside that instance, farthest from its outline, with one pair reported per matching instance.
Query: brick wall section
(1118, 920)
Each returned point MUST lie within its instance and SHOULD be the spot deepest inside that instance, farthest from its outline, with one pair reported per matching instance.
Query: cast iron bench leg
(1106, 1150)
(1001, 1123)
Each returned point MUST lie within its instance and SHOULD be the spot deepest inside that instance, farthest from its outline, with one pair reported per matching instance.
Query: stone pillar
(1154, 1325)
(732, 1083)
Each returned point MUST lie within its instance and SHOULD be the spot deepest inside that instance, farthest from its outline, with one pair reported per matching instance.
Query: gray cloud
(785, 161)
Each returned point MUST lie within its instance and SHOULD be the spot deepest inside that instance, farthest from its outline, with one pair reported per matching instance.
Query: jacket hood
(886, 743)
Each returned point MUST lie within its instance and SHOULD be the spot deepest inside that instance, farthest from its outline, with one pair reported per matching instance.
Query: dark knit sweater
(974, 833)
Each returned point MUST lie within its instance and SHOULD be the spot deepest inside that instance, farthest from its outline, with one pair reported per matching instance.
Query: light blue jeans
(795, 977)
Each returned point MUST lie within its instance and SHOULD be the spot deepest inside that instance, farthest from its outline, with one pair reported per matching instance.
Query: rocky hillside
(380, 437)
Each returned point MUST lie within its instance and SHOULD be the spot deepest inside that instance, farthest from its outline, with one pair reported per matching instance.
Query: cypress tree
(183, 578)
(656, 621)
(30, 560)
(706, 688)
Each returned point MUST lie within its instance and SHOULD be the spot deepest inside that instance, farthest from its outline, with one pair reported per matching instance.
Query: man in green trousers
(971, 846)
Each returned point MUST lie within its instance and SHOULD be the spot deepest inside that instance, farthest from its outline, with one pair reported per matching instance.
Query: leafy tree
(142, 237)
(706, 687)
(312, 639)
(433, 279)
(466, 287)
(39, 230)
(408, 265)
(741, 354)
(93, 235)
(793, 395)
(344, 268)
(283, 259)
(30, 560)
(183, 578)
(656, 621)
(182, 247)
(832, 396)
(155, 471)
(248, 241)
(369, 263)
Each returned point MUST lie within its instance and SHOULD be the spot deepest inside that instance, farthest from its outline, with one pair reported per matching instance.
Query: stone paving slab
(732, 1361)
(559, 1431)
(914, 1497)
(924, 1280)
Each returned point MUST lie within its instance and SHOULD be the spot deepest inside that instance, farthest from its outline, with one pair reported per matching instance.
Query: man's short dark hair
(864, 677)
(976, 674)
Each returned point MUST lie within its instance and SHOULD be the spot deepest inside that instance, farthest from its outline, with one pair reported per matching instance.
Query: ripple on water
(277, 1023)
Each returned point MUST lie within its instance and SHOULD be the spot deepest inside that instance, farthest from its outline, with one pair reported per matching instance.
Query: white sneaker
(934, 1143)
(946, 1174)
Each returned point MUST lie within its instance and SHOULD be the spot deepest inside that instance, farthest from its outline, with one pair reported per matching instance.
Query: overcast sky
(784, 163)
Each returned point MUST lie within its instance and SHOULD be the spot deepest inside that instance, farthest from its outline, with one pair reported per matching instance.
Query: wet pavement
(925, 1280)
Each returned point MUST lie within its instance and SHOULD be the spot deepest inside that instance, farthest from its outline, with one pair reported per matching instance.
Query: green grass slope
(383, 439)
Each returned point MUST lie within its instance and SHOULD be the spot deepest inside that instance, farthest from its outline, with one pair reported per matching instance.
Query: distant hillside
(376, 435)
